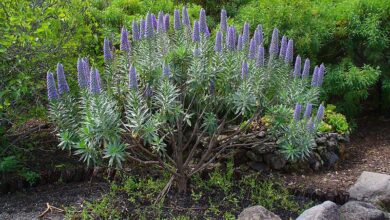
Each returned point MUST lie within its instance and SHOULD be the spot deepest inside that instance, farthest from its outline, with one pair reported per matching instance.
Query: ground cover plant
(219, 194)
(174, 97)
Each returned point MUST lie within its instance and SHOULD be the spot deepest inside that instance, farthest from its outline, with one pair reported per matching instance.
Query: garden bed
(367, 150)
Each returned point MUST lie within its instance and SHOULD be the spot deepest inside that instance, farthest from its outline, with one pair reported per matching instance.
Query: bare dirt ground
(32, 203)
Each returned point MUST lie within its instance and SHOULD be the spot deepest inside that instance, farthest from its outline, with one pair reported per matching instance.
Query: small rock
(355, 210)
(257, 213)
(321, 140)
(259, 166)
(253, 157)
(275, 161)
(372, 187)
(326, 211)
(332, 144)
(261, 134)
(331, 158)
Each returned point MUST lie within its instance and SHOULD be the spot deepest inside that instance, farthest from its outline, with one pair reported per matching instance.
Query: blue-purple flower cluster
(226, 40)
(307, 115)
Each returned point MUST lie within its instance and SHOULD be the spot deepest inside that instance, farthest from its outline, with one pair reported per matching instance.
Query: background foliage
(39, 33)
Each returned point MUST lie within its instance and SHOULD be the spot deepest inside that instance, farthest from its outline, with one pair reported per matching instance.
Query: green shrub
(348, 86)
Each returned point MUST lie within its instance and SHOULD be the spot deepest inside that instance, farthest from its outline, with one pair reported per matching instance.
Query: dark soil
(30, 204)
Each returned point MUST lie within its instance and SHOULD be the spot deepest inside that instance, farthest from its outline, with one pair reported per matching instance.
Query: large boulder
(372, 187)
(356, 210)
(326, 211)
(257, 213)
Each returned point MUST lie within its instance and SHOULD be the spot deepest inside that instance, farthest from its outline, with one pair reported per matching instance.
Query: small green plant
(30, 176)
(334, 122)
(103, 208)
(270, 194)
(222, 179)
(9, 164)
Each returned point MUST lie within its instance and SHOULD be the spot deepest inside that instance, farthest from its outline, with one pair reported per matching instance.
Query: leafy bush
(36, 35)
(187, 99)
(349, 85)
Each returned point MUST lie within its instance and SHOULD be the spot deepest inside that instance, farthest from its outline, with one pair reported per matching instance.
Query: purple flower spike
(154, 21)
(142, 29)
(166, 22)
(297, 112)
(135, 31)
(306, 68)
(94, 84)
(260, 56)
(224, 25)
(258, 36)
(283, 47)
(212, 87)
(239, 43)
(289, 52)
(185, 17)
(308, 109)
(107, 50)
(252, 49)
(314, 80)
(176, 20)
(86, 68)
(166, 70)
(63, 86)
(149, 31)
(195, 33)
(245, 34)
(321, 73)
(259, 28)
(202, 21)
(99, 81)
(218, 42)
(125, 44)
(297, 67)
(81, 78)
(310, 125)
(133, 84)
(231, 38)
(320, 114)
(52, 93)
(207, 32)
(244, 70)
(160, 22)
(273, 49)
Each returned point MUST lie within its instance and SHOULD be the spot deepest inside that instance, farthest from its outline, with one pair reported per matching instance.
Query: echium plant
(178, 98)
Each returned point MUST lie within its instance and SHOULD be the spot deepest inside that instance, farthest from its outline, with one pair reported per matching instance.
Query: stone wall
(327, 153)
